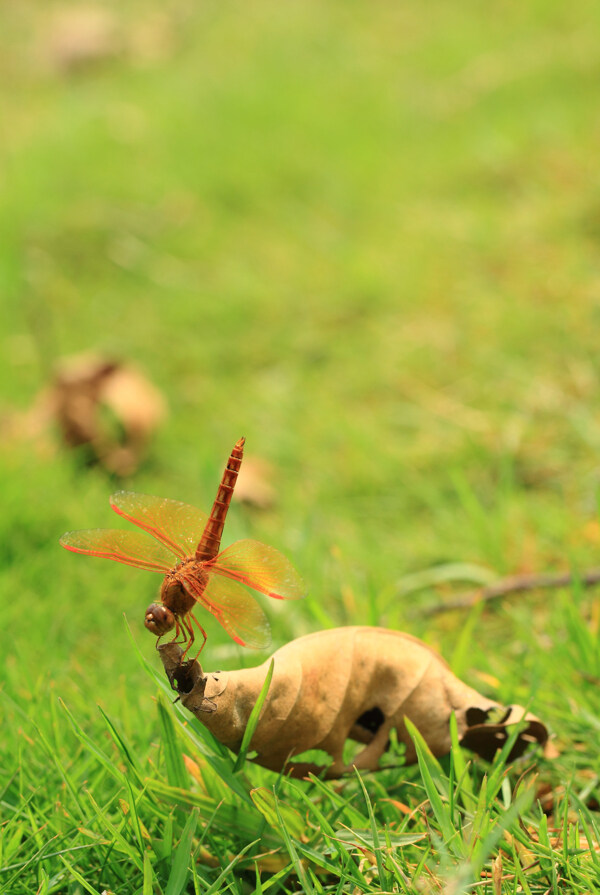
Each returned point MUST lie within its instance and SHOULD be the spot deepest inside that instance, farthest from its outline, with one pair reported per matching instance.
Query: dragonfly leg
(192, 618)
(203, 632)
(178, 631)
(186, 623)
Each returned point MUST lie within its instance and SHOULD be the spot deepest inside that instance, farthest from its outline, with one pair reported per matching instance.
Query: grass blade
(148, 885)
(217, 886)
(253, 719)
(273, 810)
(431, 773)
(307, 887)
(177, 774)
(374, 831)
(78, 876)
(92, 747)
(180, 869)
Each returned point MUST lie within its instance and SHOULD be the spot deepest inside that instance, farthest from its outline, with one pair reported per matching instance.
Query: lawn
(366, 238)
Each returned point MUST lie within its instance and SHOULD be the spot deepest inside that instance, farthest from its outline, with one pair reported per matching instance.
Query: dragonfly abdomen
(210, 542)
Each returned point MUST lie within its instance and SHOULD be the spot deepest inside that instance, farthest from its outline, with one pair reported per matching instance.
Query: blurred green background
(365, 236)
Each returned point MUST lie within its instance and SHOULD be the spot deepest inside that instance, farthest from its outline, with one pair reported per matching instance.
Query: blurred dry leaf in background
(74, 38)
(80, 36)
(102, 404)
(253, 486)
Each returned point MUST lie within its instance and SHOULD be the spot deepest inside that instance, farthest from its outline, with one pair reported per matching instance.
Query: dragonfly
(185, 547)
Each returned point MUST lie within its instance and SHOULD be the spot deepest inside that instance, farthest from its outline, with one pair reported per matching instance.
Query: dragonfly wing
(260, 567)
(234, 608)
(177, 525)
(129, 547)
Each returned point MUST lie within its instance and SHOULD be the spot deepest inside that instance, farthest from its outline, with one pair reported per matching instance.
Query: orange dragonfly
(186, 551)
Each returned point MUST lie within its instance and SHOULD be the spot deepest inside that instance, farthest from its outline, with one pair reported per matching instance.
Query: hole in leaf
(475, 716)
(371, 720)
(183, 679)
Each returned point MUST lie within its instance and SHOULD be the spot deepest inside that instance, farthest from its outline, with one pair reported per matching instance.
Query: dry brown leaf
(354, 683)
(104, 404)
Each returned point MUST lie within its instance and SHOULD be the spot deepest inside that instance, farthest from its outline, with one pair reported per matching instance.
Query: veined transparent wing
(129, 547)
(234, 608)
(177, 525)
(260, 567)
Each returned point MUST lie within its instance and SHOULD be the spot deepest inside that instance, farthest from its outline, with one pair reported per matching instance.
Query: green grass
(366, 238)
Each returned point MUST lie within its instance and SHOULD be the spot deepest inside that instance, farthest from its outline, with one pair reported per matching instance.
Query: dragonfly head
(159, 619)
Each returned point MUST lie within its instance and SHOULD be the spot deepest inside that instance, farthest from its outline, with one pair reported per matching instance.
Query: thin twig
(515, 584)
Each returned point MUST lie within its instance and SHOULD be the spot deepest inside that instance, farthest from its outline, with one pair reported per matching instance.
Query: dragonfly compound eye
(159, 619)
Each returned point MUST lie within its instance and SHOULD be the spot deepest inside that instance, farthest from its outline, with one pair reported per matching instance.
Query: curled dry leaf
(104, 404)
(354, 683)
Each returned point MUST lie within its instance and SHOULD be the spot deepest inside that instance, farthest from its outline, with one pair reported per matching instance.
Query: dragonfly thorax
(174, 594)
